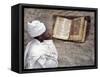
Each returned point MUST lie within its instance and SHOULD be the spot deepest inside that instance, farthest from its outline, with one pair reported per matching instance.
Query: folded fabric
(40, 55)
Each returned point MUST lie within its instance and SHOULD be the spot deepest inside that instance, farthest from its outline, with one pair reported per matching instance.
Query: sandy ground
(70, 53)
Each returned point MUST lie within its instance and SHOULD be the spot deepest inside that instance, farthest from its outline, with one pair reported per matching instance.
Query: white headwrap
(35, 28)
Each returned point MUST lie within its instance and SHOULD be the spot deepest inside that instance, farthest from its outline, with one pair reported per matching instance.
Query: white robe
(40, 54)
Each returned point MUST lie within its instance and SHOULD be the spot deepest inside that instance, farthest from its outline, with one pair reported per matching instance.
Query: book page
(77, 27)
(62, 28)
(84, 31)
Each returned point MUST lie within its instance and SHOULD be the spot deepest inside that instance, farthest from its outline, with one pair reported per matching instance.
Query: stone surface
(70, 53)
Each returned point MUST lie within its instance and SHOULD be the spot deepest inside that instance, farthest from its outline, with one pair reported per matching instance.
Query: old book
(70, 29)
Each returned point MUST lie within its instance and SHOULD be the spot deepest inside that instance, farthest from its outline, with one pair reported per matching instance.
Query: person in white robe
(41, 51)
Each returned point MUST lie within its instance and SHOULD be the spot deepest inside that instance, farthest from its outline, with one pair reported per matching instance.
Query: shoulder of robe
(36, 49)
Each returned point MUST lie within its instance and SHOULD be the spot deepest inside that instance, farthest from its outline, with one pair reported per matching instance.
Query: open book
(70, 29)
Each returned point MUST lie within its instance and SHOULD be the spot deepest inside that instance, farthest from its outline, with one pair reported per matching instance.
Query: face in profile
(45, 36)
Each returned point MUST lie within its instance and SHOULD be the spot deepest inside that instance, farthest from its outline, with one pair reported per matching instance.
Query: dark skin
(45, 36)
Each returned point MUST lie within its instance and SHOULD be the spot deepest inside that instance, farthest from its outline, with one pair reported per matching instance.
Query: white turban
(35, 28)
